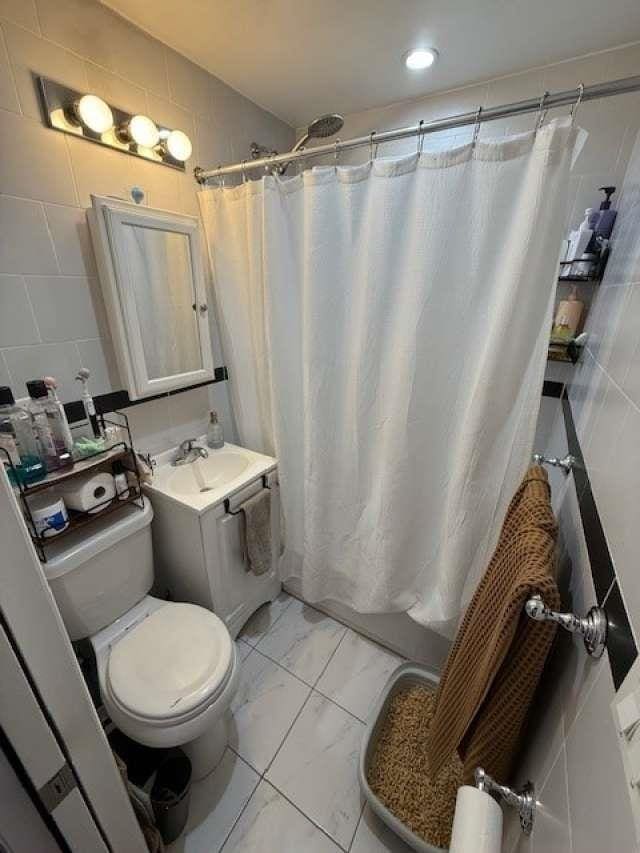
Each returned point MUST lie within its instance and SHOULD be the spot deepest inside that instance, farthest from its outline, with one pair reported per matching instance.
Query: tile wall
(573, 754)
(52, 316)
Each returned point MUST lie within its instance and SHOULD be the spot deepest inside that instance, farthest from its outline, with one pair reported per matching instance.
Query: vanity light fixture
(143, 131)
(94, 113)
(89, 117)
(179, 145)
(420, 58)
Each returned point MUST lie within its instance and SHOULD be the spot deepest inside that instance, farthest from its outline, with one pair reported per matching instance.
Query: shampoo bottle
(215, 438)
(18, 440)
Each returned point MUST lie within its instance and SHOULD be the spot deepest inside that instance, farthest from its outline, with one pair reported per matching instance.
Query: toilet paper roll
(91, 494)
(477, 824)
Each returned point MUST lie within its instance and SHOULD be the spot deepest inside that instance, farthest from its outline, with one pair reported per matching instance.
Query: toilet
(167, 670)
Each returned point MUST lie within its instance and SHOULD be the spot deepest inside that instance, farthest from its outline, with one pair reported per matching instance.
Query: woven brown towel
(498, 655)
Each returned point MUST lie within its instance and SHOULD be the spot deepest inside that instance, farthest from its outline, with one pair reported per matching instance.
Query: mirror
(150, 270)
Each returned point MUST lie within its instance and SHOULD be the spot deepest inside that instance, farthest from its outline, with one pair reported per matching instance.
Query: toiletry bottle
(581, 238)
(121, 482)
(62, 428)
(607, 216)
(19, 441)
(215, 438)
(568, 316)
(45, 420)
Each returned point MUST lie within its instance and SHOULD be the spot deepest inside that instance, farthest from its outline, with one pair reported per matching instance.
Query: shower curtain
(386, 328)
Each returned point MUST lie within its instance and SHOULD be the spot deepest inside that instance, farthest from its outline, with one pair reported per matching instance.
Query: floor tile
(357, 673)
(216, 803)
(317, 767)
(242, 649)
(302, 641)
(270, 823)
(266, 704)
(264, 618)
(374, 836)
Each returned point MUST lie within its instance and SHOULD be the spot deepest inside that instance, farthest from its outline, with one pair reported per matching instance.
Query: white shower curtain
(385, 328)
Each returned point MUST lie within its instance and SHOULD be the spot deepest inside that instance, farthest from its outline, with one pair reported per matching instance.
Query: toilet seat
(171, 664)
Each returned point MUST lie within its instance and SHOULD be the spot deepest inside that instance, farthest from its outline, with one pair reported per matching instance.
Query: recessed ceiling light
(420, 58)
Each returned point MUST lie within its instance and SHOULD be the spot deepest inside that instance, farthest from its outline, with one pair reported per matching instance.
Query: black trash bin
(170, 795)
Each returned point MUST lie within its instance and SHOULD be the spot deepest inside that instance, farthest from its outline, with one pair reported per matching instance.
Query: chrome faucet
(189, 451)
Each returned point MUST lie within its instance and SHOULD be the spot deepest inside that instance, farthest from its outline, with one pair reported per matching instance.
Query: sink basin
(205, 482)
(205, 475)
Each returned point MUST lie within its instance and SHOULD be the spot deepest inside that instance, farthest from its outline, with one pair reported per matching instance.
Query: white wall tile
(22, 12)
(552, 829)
(71, 239)
(8, 91)
(101, 171)
(116, 90)
(17, 323)
(29, 55)
(65, 307)
(97, 356)
(34, 162)
(34, 362)
(189, 85)
(95, 32)
(25, 242)
(598, 799)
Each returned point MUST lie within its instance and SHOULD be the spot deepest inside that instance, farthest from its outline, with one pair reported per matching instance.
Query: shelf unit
(122, 451)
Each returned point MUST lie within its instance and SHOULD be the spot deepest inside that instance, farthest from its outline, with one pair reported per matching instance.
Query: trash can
(170, 795)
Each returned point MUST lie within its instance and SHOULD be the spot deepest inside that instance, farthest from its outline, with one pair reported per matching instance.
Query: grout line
(33, 315)
(358, 822)
(12, 73)
(288, 732)
(37, 14)
(310, 819)
(566, 788)
(53, 244)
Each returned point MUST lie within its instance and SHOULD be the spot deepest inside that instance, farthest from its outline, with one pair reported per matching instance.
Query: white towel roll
(90, 494)
(477, 824)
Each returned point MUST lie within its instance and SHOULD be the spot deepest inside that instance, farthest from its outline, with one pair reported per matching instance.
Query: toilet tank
(100, 572)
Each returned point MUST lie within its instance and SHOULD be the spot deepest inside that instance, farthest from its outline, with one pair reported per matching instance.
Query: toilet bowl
(167, 670)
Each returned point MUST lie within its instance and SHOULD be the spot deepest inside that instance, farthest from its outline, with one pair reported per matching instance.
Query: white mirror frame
(106, 220)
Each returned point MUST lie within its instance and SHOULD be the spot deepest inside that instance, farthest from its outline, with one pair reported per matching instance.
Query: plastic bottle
(607, 216)
(215, 439)
(63, 424)
(47, 427)
(18, 440)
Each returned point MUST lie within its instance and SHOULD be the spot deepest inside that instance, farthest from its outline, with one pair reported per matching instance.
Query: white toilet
(168, 671)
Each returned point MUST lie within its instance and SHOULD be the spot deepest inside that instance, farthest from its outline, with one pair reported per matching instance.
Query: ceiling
(300, 59)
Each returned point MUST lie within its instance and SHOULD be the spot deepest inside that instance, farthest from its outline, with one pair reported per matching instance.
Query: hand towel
(257, 517)
(499, 653)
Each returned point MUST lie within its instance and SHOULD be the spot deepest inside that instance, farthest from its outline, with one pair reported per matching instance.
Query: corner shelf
(122, 451)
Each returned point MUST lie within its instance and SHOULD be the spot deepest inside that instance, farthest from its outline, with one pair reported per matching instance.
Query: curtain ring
(371, 153)
(244, 174)
(220, 178)
(420, 137)
(574, 108)
(542, 113)
(335, 155)
(476, 129)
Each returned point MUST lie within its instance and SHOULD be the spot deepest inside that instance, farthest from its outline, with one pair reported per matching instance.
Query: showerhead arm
(320, 128)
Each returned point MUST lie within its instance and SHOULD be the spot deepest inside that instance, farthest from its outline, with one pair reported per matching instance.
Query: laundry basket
(406, 675)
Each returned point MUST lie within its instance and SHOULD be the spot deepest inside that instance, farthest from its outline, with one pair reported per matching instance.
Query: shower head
(321, 128)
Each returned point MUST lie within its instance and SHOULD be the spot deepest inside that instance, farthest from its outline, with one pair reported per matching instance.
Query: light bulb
(94, 113)
(179, 145)
(143, 131)
(420, 58)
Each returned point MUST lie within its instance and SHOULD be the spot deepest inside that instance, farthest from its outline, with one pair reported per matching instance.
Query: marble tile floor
(288, 780)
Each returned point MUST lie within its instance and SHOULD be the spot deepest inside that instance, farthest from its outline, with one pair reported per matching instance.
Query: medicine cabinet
(150, 268)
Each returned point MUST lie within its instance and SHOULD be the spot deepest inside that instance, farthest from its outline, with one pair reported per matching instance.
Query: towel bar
(566, 463)
(227, 505)
(593, 626)
(524, 801)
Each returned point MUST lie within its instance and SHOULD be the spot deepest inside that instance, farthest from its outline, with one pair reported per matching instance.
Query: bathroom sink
(205, 482)
(205, 475)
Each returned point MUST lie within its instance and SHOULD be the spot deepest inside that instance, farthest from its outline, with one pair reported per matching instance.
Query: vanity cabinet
(200, 558)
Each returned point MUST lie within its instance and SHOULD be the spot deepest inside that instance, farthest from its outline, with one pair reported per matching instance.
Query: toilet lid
(171, 662)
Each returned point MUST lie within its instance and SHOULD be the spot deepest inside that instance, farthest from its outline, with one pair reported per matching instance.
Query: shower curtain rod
(532, 105)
